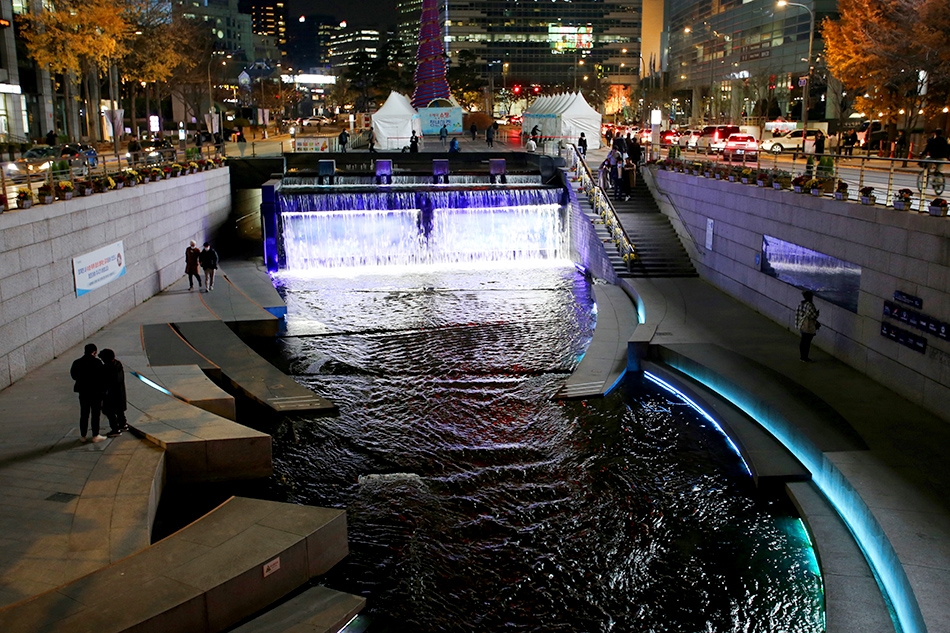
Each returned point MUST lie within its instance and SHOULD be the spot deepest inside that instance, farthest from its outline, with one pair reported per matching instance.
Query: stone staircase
(660, 251)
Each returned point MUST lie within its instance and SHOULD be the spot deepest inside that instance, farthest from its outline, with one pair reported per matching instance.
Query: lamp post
(811, 42)
(712, 67)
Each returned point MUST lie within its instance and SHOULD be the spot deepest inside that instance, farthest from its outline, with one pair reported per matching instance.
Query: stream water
(475, 502)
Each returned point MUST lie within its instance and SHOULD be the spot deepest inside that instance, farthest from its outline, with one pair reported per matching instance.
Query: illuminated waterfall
(344, 230)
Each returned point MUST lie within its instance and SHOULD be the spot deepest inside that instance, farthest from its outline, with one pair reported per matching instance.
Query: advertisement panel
(95, 269)
(312, 144)
(433, 119)
(569, 38)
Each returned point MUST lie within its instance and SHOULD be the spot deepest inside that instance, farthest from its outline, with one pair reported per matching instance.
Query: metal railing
(596, 194)
(79, 170)
(874, 180)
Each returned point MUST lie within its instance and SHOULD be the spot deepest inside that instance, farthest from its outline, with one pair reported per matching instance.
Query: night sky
(374, 13)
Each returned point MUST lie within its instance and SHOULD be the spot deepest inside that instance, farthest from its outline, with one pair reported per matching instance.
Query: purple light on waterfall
(430, 58)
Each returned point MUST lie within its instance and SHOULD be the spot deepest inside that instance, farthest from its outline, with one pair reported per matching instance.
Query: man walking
(87, 371)
(208, 258)
(343, 139)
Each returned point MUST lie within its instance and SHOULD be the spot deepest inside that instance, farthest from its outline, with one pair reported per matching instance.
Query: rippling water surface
(476, 503)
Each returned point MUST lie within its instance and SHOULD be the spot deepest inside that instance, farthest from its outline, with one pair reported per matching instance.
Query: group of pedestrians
(100, 383)
(620, 166)
(207, 259)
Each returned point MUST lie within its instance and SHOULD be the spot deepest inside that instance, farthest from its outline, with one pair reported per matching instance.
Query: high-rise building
(346, 42)
(552, 43)
(728, 56)
(231, 30)
(308, 38)
(270, 20)
(407, 29)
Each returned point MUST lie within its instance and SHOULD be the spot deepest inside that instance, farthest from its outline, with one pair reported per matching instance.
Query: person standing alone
(806, 320)
(191, 265)
(88, 373)
(208, 258)
(113, 396)
(343, 139)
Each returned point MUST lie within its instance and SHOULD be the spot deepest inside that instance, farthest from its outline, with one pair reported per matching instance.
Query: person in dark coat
(113, 397)
(806, 320)
(343, 139)
(490, 136)
(208, 258)
(89, 376)
(191, 265)
(414, 143)
(51, 138)
(582, 145)
(474, 130)
(819, 142)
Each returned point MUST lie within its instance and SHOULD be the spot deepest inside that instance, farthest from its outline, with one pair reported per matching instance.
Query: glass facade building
(730, 60)
(543, 43)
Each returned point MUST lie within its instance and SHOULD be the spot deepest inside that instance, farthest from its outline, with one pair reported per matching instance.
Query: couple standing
(100, 383)
(207, 258)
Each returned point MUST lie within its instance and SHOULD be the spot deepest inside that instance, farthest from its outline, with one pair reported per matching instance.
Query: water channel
(475, 502)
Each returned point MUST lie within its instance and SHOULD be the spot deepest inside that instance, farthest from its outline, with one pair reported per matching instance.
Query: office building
(545, 43)
(726, 58)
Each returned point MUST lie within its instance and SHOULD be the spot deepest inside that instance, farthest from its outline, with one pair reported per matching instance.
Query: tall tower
(430, 71)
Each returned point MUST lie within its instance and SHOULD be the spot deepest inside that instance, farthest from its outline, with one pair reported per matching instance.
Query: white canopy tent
(394, 122)
(564, 117)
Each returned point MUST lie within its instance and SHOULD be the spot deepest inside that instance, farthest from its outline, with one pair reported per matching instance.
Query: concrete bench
(226, 566)
(200, 446)
(316, 610)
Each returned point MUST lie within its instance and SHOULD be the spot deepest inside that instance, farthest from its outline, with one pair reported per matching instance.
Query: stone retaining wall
(40, 314)
(896, 250)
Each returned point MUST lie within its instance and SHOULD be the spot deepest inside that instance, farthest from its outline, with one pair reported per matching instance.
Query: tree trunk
(148, 109)
(133, 115)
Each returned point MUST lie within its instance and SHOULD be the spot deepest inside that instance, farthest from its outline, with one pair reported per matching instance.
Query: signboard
(95, 269)
(433, 119)
(312, 144)
(569, 38)
(710, 225)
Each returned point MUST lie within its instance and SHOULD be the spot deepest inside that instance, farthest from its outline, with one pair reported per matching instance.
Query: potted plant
(166, 172)
(64, 190)
(867, 195)
(193, 166)
(156, 173)
(938, 207)
(745, 175)
(24, 198)
(798, 183)
(175, 170)
(45, 193)
(763, 179)
(841, 190)
(132, 177)
(903, 199)
(218, 161)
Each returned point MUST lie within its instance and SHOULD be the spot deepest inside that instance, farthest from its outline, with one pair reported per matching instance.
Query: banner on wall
(95, 269)
(434, 118)
(313, 144)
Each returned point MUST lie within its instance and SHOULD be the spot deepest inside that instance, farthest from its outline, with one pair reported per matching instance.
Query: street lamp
(713, 115)
(807, 86)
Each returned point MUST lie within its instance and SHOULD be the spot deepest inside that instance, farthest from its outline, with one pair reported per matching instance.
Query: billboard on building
(570, 38)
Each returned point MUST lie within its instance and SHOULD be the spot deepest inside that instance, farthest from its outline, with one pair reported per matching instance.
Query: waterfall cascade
(387, 227)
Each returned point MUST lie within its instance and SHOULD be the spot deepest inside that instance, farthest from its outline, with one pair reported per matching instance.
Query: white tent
(563, 117)
(394, 122)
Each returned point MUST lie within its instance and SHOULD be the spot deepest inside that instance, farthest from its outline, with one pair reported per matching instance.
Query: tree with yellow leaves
(69, 36)
(895, 54)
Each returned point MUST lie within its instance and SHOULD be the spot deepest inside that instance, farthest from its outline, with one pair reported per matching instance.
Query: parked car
(743, 145)
(669, 137)
(790, 141)
(714, 134)
(87, 153)
(688, 138)
(34, 164)
(318, 120)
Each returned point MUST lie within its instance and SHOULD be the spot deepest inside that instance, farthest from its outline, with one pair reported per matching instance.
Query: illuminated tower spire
(430, 59)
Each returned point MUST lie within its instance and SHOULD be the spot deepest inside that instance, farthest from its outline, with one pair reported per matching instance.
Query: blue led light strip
(682, 396)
